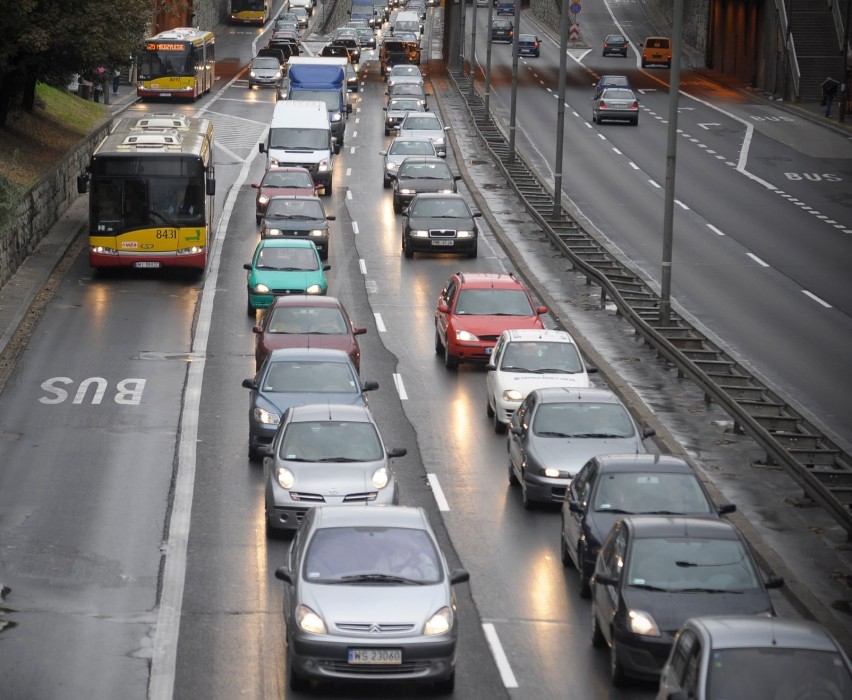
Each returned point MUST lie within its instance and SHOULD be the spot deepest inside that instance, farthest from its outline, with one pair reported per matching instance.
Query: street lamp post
(560, 111)
(671, 159)
(513, 109)
(844, 69)
(473, 51)
(488, 60)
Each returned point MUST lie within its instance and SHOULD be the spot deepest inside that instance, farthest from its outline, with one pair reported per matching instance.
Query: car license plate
(488, 351)
(446, 243)
(386, 657)
(146, 264)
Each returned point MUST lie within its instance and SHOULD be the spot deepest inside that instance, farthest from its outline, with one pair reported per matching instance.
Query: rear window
(657, 44)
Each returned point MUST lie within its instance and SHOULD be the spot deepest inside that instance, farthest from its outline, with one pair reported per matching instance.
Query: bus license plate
(386, 657)
(446, 243)
(146, 264)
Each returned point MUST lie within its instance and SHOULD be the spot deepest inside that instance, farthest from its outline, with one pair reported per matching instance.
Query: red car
(475, 308)
(283, 181)
(303, 321)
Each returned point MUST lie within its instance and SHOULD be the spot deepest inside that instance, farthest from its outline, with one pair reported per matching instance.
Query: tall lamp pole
(513, 109)
(560, 111)
(473, 51)
(844, 69)
(488, 60)
(671, 159)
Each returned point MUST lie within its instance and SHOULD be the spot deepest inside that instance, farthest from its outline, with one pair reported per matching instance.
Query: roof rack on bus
(151, 138)
(163, 121)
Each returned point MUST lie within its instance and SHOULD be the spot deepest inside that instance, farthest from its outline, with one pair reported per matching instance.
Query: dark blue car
(529, 45)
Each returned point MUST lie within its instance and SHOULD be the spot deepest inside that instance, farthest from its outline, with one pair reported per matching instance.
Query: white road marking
(380, 324)
(758, 260)
(400, 387)
(715, 230)
(499, 655)
(362, 264)
(355, 228)
(443, 505)
(816, 298)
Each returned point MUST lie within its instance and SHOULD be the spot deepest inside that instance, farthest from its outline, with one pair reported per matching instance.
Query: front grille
(364, 497)
(442, 233)
(285, 292)
(489, 338)
(369, 628)
(406, 668)
(557, 493)
(311, 497)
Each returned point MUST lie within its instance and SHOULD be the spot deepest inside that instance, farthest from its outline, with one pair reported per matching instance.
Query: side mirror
(246, 266)
(774, 582)
(326, 267)
(397, 452)
(383, 153)
(249, 384)
(541, 310)
(648, 432)
(575, 507)
(348, 109)
(255, 185)
(517, 430)
(331, 218)
(726, 508)
(443, 308)
(476, 214)
(370, 386)
(82, 184)
(257, 329)
(265, 451)
(210, 186)
(282, 573)
(261, 147)
(459, 576)
(591, 370)
(457, 177)
(605, 580)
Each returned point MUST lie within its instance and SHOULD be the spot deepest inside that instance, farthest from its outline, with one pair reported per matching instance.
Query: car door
(521, 422)
(448, 297)
(579, 492)
(493, 385)
(610, 561)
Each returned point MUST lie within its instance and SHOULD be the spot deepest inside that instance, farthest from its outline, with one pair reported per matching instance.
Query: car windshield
(407, 89)
(493, 302)
(288, 179)
(299, 139)
(541, 357)
(691, 564)
(312, 319)
(266, 63)
(435, 208)
(769, 673)
(426, 171)
(331, 441)
(421, 123)
(405, 105)
(309, 377)
(372, 556)
(644, 493)
(405, 70)
(412, 148)
(294, 209)
(582, 419)
(275, 258)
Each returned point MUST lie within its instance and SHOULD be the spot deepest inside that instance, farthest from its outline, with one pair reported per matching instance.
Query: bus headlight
(192, 250)
(102, 250)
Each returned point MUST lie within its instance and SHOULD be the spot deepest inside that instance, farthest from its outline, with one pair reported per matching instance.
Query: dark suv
(501, 30)
(615, 44)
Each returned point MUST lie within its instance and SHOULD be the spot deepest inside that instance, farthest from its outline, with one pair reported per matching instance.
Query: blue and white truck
(314, 79)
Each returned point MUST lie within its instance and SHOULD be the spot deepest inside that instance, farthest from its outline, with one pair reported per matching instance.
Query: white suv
(524, 360)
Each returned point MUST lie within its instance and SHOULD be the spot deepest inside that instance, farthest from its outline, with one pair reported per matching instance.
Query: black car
(653, 573)
(615, 44)
(351, 43)
(502, 30)
(609, 487)
(285, 41)
(419, 174)
(336, 51)
(301, 216)
(439, 223)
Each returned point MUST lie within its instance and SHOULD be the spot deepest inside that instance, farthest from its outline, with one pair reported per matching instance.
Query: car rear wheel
(488, 410)
(439, 346)
(473, 251)
(499, 426)
(635, 122)
(407, 250)
(529, 504)
(385, 182)
(397, 207)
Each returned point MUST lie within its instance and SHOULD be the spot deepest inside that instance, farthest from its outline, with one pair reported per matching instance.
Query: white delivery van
(407, 22)
(300, 134)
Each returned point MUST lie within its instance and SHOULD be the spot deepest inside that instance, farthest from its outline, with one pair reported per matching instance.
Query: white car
(426, 124)
(306, 4)
(404, 73)
(527, 359)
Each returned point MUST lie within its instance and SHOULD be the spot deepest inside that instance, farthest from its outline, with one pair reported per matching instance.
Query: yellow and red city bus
(178, 63)
(151, 184)
(249, 12)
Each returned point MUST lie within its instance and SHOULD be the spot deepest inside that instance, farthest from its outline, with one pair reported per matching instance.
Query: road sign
(575, 8)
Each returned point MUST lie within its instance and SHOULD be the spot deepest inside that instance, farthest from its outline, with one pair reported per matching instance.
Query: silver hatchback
(325, 454)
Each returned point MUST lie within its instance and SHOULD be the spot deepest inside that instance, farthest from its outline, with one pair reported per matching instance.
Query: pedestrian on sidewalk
(829, 90)
(116, 79)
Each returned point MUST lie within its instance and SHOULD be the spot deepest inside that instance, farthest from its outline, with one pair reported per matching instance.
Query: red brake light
(635, 105)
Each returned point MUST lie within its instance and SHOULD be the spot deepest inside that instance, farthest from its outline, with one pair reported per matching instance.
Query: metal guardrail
(820, 467)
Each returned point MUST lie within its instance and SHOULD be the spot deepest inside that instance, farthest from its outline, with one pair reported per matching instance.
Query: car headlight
(513, 395)
(380, 477)
(464, 234)
(314, 289)
(419, 233)
(273, 232)
(261, 288)
(309, 621)
(439, 141)
(336, 117)
(253, 74)
(446, 191)
(642, 623)
(261, 415)
(439, 623)
(317, 232)
(273, 163)
(466, 335)
(407, 190)
(553, 473)
(263, 199)
(286, 479)
(391, 166)
(322, 166)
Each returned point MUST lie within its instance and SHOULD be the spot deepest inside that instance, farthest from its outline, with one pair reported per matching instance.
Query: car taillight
(535, 43)
(602, 104)
(635, 105)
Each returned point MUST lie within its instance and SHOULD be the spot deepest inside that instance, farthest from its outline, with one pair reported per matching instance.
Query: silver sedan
(616, 104)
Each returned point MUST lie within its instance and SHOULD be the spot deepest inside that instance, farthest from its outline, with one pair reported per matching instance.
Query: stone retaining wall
(43, 204)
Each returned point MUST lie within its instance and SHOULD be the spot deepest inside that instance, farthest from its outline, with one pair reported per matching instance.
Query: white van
(407, 22)
(300, 134)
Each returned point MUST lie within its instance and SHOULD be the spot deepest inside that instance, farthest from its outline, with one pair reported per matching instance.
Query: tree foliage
(43, 39)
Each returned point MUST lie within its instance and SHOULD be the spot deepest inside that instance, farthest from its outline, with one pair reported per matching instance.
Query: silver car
(397, 108)
(426, 124)
(399, 149)
(265, 71)
(616, 104)
(325, 454)
(368, 596)
(556, 430)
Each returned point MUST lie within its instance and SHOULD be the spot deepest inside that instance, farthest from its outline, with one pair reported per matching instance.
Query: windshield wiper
(597, 435)
(339, 459)
(649, 587)
(521, 369)
(557, 370)
(615, 510)
(705, 590)
(550, 433)
(383, 578)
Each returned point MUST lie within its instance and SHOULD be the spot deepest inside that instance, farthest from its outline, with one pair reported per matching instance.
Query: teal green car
(283, 266)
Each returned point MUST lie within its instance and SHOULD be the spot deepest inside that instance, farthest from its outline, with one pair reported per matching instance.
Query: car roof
(653, 526)
(743, 631)
(550, 335)
(313, 354)
(371, 515)
(286, 168)
(426, 159)
(330, 412)
(487, 280)
(560, 394)
(285, 242)
(301, 197)
(643, 463)
(312, 300)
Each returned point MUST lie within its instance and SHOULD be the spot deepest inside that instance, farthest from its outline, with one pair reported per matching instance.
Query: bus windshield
(173, 58)
(250, 5)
